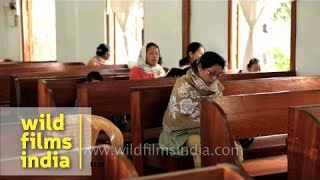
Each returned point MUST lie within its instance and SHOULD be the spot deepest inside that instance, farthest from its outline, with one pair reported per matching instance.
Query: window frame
(292, 36)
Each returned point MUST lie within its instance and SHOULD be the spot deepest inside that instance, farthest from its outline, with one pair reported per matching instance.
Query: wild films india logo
(34, 143)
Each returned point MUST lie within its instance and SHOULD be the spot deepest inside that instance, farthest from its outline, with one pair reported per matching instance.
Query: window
(262, 29)
(124, 30)
(39, 30)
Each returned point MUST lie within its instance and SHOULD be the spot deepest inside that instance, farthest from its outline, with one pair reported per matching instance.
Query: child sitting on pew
(181, 120)
(119, 121)
(92, 76)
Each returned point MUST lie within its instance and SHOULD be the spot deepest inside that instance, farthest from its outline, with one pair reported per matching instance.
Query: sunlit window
(262, 30)
(124, 30)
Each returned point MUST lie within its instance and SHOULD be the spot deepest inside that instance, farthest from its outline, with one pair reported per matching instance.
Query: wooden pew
(106, 165)
(241, 76)
(219, 172)
(113, 97)
(38, 64)
(148, 105)
(110, 101)
(304, 142)
(24, 92)
(44, 67)
(98, 97)
(62, 91)
(249, 86)
(6, 72)
(244, 116)
(65, 91)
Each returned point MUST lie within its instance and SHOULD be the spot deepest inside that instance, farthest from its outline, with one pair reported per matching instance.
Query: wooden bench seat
(148, 105)
(244, 116)
(62, 91)
(24, 87)
(99, 101)
(33, 68)
(219, 172)
(108, 98)
(103, 102)
(263, 146)
(304, 142)
(38, 64)
(113, 166)
(250, 86)
(263, 166)
(5, 79)
(257, 75)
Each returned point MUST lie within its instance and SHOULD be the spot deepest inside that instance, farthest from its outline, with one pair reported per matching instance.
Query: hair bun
(103, 47)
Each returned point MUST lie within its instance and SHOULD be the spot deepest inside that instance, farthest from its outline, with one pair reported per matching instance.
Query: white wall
(80, 29)
(10, 42)
(209, 25)
(308, 39)
(163, 25)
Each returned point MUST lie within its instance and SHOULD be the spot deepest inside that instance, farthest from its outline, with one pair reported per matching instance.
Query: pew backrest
(270, 85)
(5, 73)
(107, 163)
(112, 97)
(148, 105)
(24, 84)
(304, 142)
(62, 91)
(219, 172)
(241, 76)
(243, 116)
(38, 64)
(59, 92)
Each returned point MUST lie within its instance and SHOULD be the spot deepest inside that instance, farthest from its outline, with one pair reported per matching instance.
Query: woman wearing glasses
(181, 120)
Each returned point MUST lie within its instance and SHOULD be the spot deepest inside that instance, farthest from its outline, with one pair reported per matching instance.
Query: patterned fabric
(157, 70)
(183, 111)
(96, 61)
(182, 117)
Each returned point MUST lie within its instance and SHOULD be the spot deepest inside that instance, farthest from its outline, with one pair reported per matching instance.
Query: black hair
(193, 47)
(207, 60)
(160, 60)
(252, 62)
(184, 61)
(150, 44)
(94, 75)
(102, 49)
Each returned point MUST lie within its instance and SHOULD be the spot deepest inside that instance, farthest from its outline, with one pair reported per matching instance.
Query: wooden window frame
(26, 31)
(186, 14)
(292, 36)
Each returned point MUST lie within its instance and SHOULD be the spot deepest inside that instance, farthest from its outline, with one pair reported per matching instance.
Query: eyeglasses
(214, 75)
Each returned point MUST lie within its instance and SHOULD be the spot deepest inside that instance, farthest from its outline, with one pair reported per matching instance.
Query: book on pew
(177, 72)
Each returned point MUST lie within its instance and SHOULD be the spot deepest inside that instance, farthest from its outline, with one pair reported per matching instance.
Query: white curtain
(252, 12)
(127, 14)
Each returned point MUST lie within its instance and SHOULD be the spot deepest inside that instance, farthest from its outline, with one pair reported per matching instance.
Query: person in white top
(101, 57)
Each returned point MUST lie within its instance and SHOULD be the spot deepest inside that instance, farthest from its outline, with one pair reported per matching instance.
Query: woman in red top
(148, 66)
